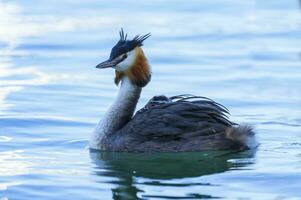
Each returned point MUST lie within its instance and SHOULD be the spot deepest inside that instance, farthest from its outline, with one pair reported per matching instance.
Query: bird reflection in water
(161, 167)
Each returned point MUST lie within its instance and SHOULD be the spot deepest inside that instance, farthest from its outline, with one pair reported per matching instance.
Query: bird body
(164, 124)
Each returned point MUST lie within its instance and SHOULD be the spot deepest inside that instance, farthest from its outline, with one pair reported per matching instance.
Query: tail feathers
(243, 135)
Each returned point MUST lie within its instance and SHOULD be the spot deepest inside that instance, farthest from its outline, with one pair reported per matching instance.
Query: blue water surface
(243, 54)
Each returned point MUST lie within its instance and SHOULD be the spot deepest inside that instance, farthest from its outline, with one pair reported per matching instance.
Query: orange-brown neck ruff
(139, 73)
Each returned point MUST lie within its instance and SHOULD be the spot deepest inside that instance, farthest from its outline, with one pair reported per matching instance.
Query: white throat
(118, 114)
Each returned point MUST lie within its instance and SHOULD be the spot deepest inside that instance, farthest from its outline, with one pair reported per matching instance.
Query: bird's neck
(118, 114)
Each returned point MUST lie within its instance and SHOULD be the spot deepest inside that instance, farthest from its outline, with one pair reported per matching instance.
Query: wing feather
(180, 116)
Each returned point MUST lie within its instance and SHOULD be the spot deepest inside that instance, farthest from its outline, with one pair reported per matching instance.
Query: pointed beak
(106, 64)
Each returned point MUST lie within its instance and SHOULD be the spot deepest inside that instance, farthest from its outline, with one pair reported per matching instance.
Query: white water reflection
(14, 80)
(13, 163)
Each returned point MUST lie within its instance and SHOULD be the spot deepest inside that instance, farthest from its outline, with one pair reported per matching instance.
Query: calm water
(244, 54)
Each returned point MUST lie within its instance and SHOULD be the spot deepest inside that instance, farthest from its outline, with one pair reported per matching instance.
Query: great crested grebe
(165, 124)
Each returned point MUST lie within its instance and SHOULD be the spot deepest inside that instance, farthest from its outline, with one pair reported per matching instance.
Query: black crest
(124, 45)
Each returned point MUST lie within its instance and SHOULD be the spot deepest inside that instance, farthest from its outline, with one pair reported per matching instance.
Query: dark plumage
(179, 123)
(124, 45)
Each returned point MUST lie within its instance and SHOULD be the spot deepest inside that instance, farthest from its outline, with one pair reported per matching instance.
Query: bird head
(128, 59)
